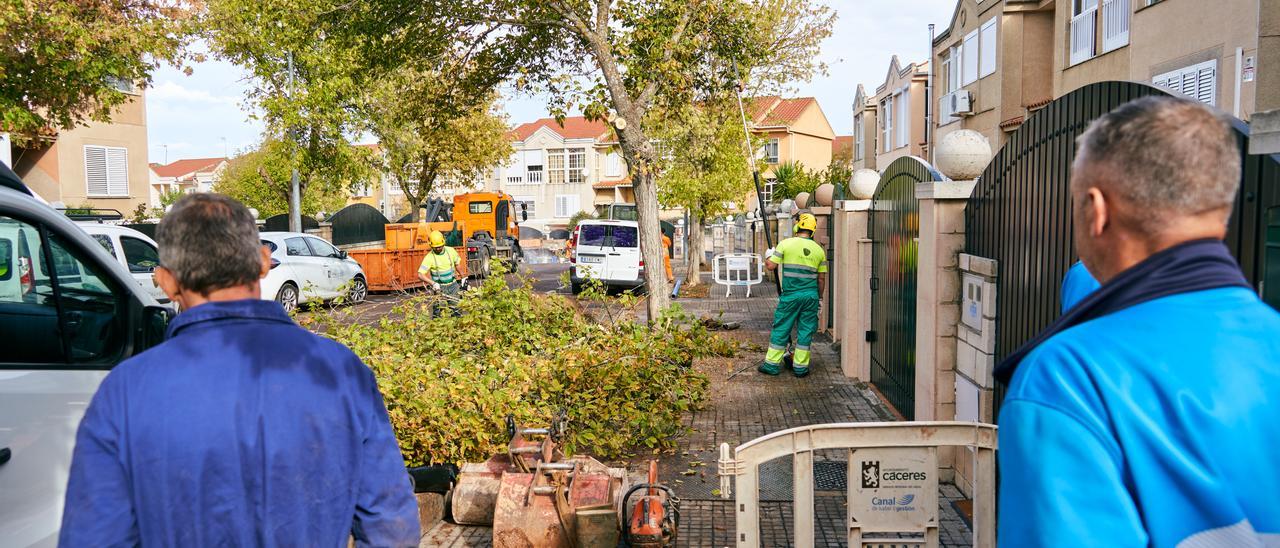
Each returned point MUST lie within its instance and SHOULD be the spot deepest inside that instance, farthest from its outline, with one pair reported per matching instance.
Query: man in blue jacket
(242, 429)
(1148, 414)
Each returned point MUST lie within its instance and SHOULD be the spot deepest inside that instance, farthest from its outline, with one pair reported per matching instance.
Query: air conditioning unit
(961, 103)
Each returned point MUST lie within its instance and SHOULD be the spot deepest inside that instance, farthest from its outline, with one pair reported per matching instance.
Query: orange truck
(479, 225)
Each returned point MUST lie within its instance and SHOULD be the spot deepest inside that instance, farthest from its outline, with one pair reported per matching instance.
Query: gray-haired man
(242, 429)
(1147, 415)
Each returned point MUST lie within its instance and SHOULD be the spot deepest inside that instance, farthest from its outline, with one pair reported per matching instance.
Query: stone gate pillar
(852, 287)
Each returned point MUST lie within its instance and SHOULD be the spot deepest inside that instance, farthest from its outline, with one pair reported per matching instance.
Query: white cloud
(173, 91)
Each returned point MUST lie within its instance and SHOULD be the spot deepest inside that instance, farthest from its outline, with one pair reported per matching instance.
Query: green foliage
(62, 60)
(259, 178)
(450, 382)
(171, 196)
(433, 134)
(705, 167)
(579, 217)
(793, 179)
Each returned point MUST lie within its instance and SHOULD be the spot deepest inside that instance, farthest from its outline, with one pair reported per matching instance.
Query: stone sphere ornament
(802, 200)
(963, 154)
(863, 184)
(825, 194)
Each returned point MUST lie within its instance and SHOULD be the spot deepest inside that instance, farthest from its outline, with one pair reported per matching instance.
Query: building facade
(186, 175)
(999, 61)
(559, 169)
(792, 130)
(900, 106)
(865, 131)
(101, 164)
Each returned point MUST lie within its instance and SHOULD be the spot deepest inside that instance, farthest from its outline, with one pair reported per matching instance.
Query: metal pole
(295, 190)
(928, 100)
(755, 173)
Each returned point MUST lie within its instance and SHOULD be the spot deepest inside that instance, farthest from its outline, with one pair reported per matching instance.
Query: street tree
(432, 134)
(704, 170)
(304, 83)
(67, 63)
(625, 60)
(259, 177)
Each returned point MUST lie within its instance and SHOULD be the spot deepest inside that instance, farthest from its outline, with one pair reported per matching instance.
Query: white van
(608, 251)
(133, 250)
(69, 312)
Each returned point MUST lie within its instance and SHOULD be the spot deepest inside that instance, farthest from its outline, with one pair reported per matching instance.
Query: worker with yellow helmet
(440, 269)
(802, 266)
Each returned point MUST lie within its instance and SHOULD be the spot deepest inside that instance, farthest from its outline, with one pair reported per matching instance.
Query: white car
(608, 251)
(132, 249)
(305, 269)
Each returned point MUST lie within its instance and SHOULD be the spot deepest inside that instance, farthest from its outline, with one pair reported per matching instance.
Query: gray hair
(1168, 156)
(210, 242)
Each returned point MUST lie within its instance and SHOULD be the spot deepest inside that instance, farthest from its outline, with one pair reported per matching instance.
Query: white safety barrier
(737, 269)
(892, 477)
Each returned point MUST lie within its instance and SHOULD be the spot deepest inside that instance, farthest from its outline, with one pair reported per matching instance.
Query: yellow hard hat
(437, 239)
(807, 222)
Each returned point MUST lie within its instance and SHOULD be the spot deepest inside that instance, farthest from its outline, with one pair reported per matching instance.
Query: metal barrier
(893, 478)
(737, 269)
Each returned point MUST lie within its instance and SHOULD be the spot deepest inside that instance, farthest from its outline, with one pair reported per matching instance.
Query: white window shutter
(117, 171)
(95, 171)
(969, 65)
(988, 49)
(904, 121)
(1207, 85)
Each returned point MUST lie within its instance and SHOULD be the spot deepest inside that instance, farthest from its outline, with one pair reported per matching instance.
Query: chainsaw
(655, 518)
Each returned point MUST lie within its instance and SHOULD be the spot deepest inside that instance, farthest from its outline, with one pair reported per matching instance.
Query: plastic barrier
(737, 269)
(893, 479)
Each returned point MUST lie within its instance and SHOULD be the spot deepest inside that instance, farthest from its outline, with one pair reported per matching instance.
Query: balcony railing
(535, 177)
(1083, 35)
(1115, 24)
(515, 180)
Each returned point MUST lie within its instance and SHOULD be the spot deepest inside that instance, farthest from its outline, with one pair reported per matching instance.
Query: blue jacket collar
(247, 309)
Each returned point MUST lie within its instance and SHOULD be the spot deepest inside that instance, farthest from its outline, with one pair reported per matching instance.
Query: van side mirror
(155, 324)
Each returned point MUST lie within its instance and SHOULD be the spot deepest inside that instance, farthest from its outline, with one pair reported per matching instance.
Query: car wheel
(359, 290)
(288, 297)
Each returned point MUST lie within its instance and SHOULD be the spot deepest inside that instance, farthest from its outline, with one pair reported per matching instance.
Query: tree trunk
(697, 251)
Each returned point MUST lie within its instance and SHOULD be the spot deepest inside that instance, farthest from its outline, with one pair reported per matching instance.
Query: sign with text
(893, 489)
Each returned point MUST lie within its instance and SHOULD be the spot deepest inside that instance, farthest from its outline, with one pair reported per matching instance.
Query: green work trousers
(796, 310)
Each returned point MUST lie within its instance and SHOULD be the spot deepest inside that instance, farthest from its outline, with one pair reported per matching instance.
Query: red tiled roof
(776, 111)
(613, 184)
(841, 143)
(187, 166)
(574, 127)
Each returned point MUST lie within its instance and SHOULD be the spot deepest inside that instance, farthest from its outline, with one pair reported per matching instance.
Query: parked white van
(133, 250)
(608, 251)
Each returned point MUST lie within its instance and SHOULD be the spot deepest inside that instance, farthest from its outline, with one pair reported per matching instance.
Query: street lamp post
(295, 192)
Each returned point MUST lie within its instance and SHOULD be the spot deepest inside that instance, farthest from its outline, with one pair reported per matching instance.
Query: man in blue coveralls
(242, 429)
(1147, 415)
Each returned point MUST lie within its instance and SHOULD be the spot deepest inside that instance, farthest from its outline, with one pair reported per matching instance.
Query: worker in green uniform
(441, 271)
(803, 274)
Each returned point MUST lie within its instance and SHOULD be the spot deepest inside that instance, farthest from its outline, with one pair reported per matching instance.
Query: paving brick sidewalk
(743, 408)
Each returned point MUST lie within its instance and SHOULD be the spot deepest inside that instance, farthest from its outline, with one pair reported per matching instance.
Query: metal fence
(894, 231)
(280, 223)
(1020, 213)
(358, 224)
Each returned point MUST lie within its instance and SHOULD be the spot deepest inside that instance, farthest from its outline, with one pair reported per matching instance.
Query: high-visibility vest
(440, 265)
(799, 261)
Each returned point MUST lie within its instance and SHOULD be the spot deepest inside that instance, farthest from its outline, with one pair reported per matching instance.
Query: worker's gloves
(768, 253)
(435, 286)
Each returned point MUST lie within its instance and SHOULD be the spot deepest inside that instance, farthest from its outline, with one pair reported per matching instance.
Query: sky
(206, 114)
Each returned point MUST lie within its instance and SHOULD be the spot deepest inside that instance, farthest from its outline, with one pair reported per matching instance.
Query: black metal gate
(894, 231)
(358, 224)
(1020, 212)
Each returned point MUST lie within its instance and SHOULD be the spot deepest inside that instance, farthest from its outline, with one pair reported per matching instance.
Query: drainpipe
(1239, 81)
(928, 100)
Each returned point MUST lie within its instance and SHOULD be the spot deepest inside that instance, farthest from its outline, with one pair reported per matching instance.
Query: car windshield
(625, 236)
(591, 235)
